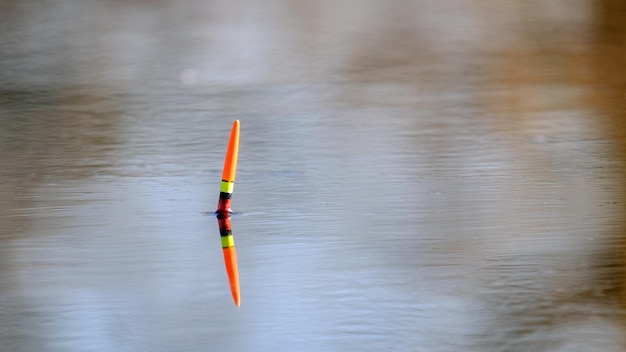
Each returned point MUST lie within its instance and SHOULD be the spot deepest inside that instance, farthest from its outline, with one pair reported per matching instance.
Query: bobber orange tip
(230, 163)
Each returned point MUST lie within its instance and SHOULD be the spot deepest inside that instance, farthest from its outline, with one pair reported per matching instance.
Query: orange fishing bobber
(230, 168)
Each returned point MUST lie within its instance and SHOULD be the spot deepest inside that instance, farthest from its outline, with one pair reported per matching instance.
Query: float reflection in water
(230, 255)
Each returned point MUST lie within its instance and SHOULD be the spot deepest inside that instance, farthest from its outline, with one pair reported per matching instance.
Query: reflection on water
(230, 255)
(427, 176)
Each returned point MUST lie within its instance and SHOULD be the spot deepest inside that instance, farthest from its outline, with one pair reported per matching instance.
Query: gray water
(413, 176)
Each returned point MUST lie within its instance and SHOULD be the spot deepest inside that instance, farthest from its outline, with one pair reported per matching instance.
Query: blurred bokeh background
(413, 175)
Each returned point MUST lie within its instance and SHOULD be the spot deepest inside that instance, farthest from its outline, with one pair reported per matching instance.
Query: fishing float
(230, 169)
(223, 213)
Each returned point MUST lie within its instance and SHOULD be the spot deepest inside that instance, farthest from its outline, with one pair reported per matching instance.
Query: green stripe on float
(227, 186)
(228, 241)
